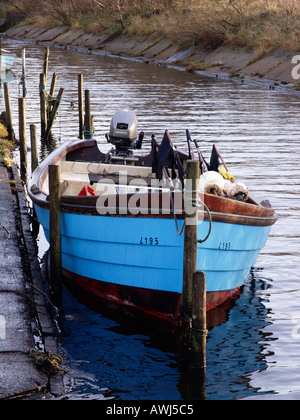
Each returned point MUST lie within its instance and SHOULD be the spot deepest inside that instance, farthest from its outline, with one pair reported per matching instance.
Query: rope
(43, 90)
(91, 172)
(46, 361)
(199, 203)
(57, 98)
(88, 134)
(179, 233)
(196, 203)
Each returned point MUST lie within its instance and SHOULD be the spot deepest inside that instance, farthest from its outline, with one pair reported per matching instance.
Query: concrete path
(23, 314)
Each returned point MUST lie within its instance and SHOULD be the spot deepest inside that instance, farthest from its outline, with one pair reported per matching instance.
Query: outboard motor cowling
(123, 132)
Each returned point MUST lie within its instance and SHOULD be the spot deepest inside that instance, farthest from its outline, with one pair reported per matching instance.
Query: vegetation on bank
(262, 25)
(6, 146)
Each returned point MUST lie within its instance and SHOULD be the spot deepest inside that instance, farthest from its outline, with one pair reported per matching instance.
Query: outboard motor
(123, 133)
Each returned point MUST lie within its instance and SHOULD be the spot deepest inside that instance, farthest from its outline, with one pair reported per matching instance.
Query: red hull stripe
(155, 302)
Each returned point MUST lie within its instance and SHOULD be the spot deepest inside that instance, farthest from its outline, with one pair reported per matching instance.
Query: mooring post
(24, 72)
(53, 114)
(199, 301)
(46, 60)
(22, 138)
(34, 148)
(43, 105)
(55, 232)
(80, 105)
(9, 124)
(51, 94)
(87, 117)
(199, 324)
(190, 233)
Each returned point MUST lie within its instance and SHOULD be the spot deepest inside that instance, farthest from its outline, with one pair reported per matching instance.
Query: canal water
(253, 345)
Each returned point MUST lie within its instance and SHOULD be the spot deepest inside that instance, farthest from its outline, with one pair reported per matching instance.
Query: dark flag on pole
(214, 160)
(162, 154)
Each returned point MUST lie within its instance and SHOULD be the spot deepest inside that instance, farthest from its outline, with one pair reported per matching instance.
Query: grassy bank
(6, 146)
(262, 25)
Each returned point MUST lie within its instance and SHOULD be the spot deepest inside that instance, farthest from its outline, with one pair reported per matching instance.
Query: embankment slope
(225, 61)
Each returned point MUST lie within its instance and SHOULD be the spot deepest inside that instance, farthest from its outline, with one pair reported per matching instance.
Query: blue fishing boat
(122, 217)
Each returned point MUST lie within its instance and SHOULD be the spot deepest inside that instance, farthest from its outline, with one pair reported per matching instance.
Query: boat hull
(124, 246)
(138, 261)
(161, 304)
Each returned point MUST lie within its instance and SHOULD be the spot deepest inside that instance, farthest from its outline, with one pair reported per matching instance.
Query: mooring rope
(179, 232)
(88, 134)
(197, 202)
(57, 98)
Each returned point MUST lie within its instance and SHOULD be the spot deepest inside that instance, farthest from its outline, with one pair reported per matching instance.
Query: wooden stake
(55, 232)
(199, 331)
(199, 301)
(80, 105)
(87, 118)
(51, 93)
(53, 114)
(22, 137)
(190, 233)
(46, 60)
(24, 72)
(34, 148)
(11, 134)
(43, 105)
(53, 83)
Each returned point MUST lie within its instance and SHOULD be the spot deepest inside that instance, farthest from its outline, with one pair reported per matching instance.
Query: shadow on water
(116, 352)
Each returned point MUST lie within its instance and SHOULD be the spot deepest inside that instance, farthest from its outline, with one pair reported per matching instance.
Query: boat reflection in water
(115, 351)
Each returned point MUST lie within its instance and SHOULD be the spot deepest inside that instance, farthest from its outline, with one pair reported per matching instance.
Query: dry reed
(261, 25)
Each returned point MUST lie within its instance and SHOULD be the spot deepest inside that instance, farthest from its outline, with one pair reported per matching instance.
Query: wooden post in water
(80, 105)
(51, 94)
(55, 232)
(199, 301)
(53, 83)
(87, 117)
(199, 331)
(34, 148)
(53, 114)
(190, 233)
(24, 72)
(22, 138)
(43, 105)
(9, 124)
(46, 60)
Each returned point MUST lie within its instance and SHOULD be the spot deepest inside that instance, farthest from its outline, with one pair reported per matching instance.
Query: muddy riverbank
(275, 70)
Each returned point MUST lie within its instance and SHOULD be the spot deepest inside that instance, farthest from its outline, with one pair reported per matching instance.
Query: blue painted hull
(128, 251)
(147, 254)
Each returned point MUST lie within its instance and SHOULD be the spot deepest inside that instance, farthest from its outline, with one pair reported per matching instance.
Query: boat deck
(103, 178)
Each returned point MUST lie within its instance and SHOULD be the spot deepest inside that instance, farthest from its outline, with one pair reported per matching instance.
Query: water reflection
(46, 147)
(6, 77)
(134, 357)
